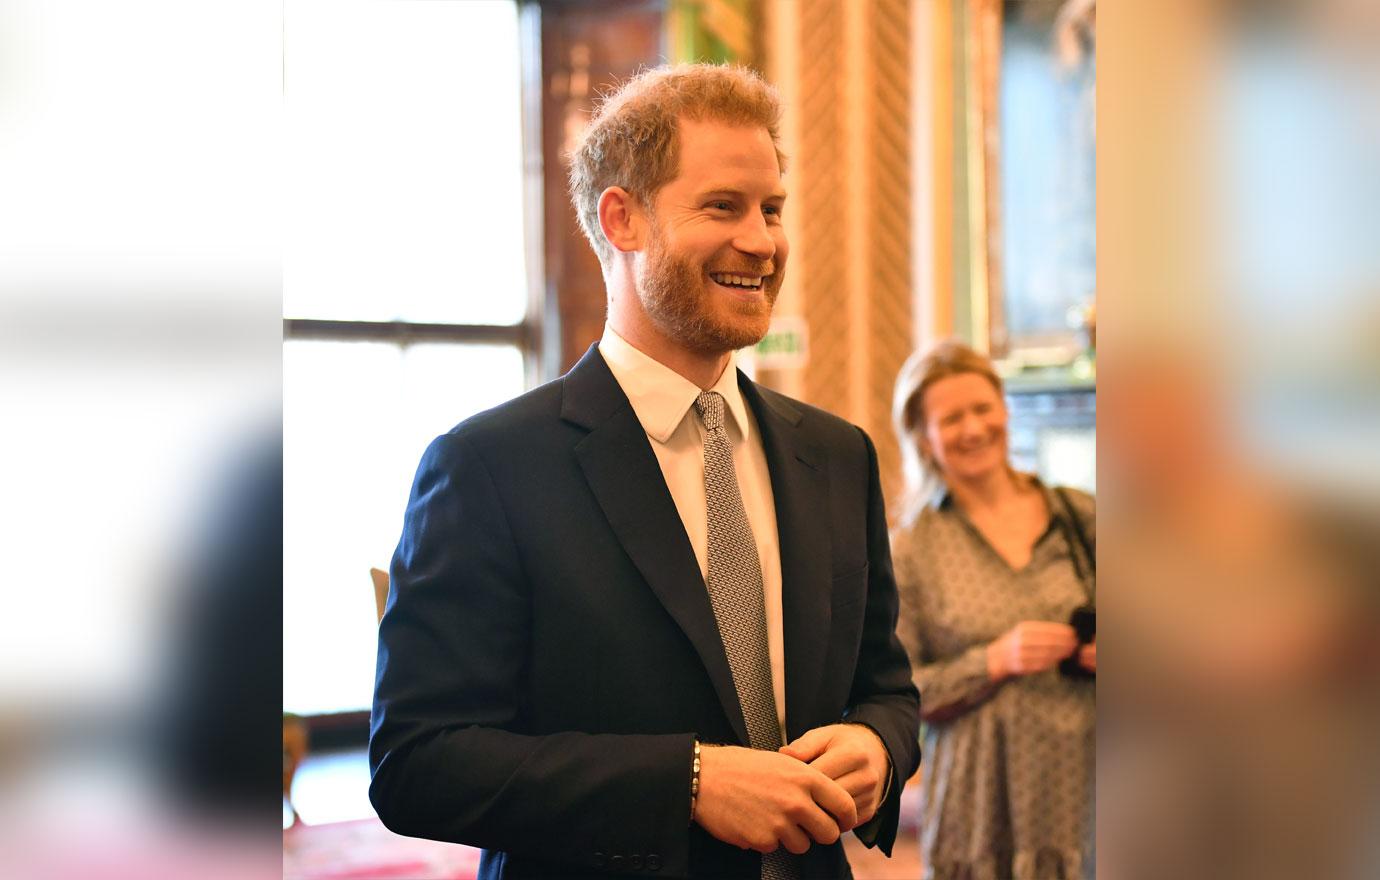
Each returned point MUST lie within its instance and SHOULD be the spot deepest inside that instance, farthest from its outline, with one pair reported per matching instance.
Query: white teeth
(744, 281)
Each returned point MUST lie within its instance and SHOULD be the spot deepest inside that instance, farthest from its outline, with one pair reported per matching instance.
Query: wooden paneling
(587, 49)
(888, 290)
(819, 189)
(848, 65)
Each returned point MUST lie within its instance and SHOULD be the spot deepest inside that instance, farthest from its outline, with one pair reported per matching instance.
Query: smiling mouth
(739, 282)
(979, 449)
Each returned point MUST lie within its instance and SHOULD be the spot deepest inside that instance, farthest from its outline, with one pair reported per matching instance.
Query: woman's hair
(921, 370)
(633, 140)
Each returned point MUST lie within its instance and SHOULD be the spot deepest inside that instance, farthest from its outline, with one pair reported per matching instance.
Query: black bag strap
(1080, 536)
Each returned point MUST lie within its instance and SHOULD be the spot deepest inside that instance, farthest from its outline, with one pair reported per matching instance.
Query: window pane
(405, 162)
(1048, 183)
(357, 417)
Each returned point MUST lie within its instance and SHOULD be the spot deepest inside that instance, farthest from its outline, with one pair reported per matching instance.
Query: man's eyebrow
(776, 195)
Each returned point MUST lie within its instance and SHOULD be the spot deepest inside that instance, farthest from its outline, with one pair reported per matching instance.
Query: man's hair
(633, 139)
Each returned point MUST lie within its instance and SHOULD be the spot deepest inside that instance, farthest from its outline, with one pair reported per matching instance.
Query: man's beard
(678, 301)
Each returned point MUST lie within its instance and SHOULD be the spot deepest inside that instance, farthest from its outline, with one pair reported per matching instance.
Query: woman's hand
(1087, 656)
(1028, 647)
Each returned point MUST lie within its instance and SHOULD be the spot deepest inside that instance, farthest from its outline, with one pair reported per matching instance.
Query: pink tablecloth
(364, 850)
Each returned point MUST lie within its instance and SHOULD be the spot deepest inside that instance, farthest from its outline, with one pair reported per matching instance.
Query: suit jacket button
(598, 860)
(616, 863)
(635, 862)
(653, 862)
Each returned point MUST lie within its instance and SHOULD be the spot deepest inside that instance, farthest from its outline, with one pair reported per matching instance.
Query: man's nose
(753, 237)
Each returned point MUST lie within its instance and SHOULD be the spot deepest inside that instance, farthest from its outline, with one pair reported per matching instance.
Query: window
(405, 292)
(1048, 183)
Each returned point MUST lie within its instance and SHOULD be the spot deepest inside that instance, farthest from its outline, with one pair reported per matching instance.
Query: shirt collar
(660, 396)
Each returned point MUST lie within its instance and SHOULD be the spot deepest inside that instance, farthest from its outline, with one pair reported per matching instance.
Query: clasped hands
(828, 781)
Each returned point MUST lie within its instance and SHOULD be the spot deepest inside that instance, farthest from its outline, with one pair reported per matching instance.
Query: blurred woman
(992, 567)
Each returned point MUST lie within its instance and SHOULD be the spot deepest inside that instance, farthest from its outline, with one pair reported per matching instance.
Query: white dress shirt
(663, 401)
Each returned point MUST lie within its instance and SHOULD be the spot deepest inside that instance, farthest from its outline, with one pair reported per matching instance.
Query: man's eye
(721, 206)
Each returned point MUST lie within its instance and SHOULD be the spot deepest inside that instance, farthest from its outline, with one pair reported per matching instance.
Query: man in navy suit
(554, 682)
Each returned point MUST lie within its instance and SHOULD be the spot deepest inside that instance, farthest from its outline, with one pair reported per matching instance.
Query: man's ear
(622, 219)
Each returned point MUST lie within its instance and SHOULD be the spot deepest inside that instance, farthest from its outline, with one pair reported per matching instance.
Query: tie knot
(710, 406)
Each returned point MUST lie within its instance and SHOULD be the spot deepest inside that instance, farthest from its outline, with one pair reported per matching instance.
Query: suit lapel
(800, 489)
(623, 473)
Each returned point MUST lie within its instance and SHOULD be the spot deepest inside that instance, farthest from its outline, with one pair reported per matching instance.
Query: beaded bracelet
(695, 782)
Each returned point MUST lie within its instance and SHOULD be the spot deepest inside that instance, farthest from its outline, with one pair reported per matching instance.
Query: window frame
(536, 336)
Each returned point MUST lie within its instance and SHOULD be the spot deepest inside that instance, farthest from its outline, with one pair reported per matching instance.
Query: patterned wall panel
(821, 186)
(889, 288)
(852, 188)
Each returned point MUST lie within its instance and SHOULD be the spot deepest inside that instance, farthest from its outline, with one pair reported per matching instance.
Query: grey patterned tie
(735, 592)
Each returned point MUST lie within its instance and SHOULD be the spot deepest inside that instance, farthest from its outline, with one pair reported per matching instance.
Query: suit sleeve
(883, 696)
(447, 749)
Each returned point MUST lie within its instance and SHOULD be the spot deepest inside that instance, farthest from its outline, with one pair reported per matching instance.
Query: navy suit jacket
(548, 652)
